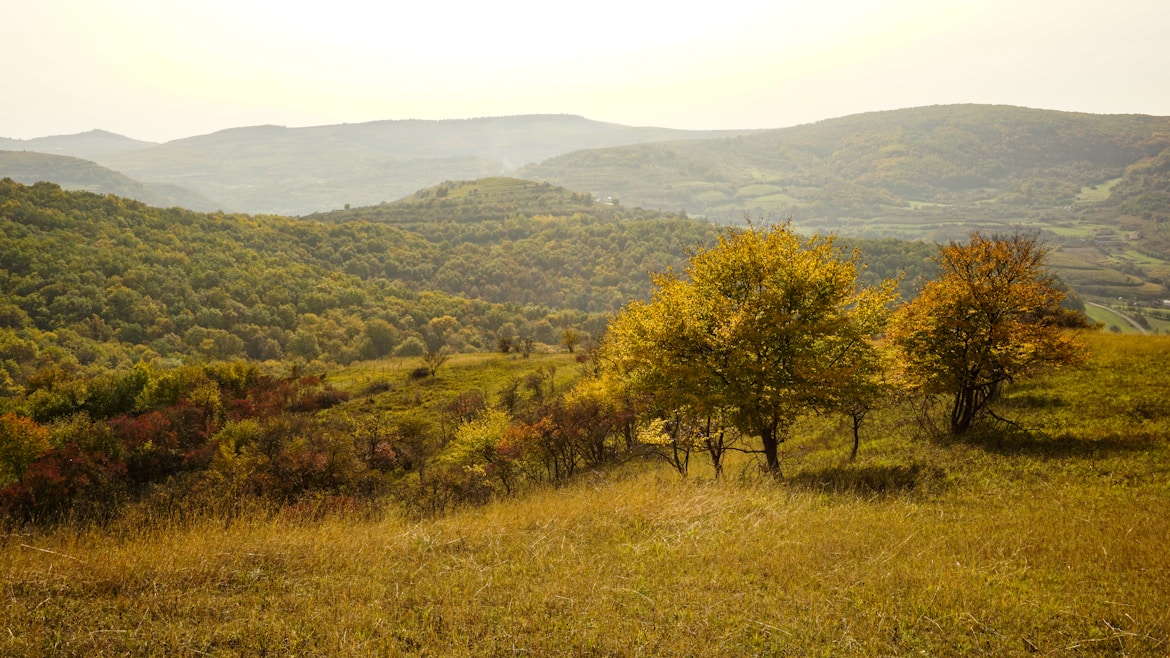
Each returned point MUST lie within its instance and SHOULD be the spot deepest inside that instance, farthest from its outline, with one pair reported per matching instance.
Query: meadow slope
(1046, 541)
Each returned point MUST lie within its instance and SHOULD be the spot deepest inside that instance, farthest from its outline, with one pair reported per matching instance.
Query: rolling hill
(273, 169)
(1098, 186)
(71, 173)
(998, 159)
(487, 199)
(87, 145)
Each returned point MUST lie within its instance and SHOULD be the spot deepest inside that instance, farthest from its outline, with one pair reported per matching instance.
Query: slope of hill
(301, 170)
(870, 165)
(565, 245)
(71, 173)
(110, 281)
(1013, 544)
(86, 145)
(487, 199)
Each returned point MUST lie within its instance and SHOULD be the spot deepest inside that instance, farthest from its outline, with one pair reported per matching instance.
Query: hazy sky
(163, 69)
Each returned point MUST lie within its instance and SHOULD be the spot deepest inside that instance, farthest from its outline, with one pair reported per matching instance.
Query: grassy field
(1050, 540)
(1097, 193)
(1110, 320)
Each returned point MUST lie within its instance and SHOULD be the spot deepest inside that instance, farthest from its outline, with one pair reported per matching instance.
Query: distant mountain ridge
(949, 164)
(274, 169)
(87, 145)
(870, 165)
(71, 173)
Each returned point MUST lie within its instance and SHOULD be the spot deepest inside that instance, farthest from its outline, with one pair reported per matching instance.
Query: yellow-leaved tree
(765, 326)
(22, 441)
(993, 315)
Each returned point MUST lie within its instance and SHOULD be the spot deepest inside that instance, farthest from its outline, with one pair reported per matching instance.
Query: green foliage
(382, 337)
(114, 282)
(412, 346)
(475, 440)
(117, 282)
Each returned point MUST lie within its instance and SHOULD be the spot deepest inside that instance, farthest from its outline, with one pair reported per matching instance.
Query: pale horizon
(159, 71)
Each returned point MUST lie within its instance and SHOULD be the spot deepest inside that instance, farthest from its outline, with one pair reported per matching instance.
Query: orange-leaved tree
(993, 315)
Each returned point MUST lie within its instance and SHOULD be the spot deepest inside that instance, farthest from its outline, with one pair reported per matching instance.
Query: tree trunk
(768, 436)
(963, 411)
(857, 418)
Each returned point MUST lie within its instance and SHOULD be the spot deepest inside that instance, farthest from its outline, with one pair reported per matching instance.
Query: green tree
(866, 388)
(761, 329)
(304, 345)
(382, 336)
(475, 439)
(412, 346)
(434, 359)
(992, 315)
(570, 338)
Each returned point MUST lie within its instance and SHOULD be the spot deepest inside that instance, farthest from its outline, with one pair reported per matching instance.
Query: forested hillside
(118, 281)
(620, 240)
(1097, 186)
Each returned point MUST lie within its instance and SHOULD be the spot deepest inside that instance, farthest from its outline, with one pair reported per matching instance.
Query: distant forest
(99, 282)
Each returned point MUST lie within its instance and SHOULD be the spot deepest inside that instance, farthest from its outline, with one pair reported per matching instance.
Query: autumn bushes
(993, 316)
(493, 452)
(86, 447)
(218, 438)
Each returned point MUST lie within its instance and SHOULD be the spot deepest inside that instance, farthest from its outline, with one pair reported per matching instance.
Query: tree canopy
(764, 326)
(991, 316)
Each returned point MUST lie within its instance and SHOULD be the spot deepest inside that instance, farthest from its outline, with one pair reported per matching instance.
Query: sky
(158, 70)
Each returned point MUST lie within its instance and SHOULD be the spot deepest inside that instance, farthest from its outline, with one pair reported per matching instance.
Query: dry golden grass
(1008, 544)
